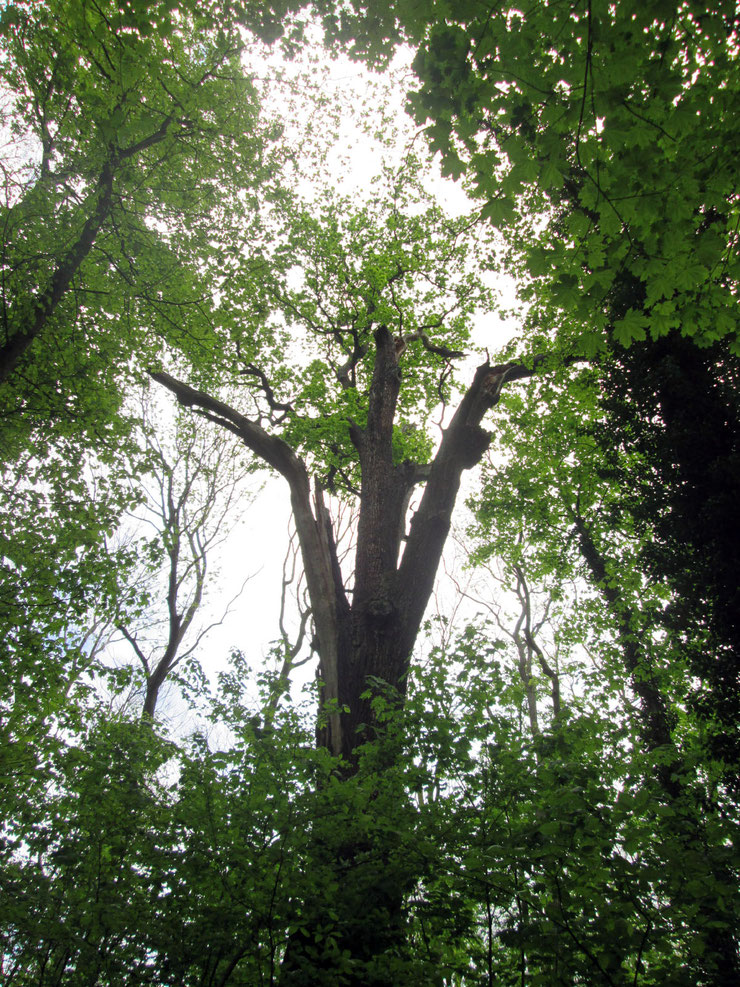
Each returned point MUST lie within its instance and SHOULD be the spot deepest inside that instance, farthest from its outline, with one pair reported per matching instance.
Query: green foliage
(149, 860)
(555, 509)
(126, 145)
(614, 125)
(305, 312)
(514, 822)
(675, 409)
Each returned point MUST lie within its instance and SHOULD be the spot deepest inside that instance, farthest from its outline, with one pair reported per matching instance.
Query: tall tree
(384, 304)
(600, 139)
(384, 289)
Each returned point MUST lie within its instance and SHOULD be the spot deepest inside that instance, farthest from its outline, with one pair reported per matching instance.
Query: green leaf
(631, 327)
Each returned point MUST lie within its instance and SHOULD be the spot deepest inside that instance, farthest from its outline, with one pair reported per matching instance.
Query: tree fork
(375, 635)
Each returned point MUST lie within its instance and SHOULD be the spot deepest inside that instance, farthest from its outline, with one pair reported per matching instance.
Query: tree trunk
(367, 643)
(46, 303)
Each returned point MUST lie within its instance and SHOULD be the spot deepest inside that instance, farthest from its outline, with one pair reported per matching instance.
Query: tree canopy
(530, 777)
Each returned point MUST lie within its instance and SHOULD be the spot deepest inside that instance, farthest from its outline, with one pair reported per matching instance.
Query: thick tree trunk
(369, 641)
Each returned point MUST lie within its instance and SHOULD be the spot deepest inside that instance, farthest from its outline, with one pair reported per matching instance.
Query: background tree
(127, 164)
(564, 489)
(675, 409)
(197, 479)
(124, 134)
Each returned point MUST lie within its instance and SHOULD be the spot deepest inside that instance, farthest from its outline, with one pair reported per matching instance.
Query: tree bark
(374, 635)
(371, 639)
(45, 304)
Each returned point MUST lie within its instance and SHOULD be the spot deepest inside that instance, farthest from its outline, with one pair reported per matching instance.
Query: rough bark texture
(371, 637)
(374, 634)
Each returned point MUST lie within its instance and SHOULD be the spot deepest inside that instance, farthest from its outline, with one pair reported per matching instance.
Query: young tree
(195, 478)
